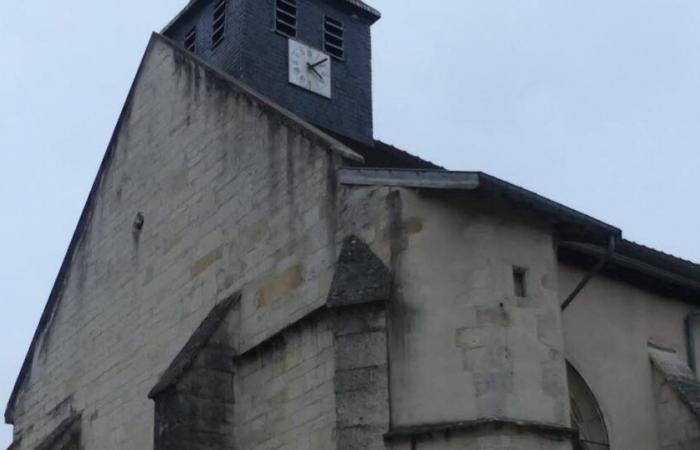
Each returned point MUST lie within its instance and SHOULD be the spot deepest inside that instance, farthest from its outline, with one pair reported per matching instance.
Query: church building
(254, 271)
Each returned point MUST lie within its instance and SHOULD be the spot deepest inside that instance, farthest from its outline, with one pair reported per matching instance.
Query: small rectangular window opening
(520, 281)
(286, 17)
(191, 40)
(219, 23)
(333, 36)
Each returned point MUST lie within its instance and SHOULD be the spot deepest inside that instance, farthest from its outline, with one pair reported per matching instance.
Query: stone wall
(234, 196)
(284, 390)
(194, 401)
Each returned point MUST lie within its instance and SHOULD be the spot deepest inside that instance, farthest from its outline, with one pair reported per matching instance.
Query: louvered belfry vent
(333, 36)
(219, 23)
(286, 17)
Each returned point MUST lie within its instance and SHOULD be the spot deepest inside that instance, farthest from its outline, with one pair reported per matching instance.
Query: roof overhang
(652, 271)
(481, 183)
(580, 237)
(371, 13)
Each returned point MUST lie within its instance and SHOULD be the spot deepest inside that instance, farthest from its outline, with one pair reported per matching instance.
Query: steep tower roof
(363, 7)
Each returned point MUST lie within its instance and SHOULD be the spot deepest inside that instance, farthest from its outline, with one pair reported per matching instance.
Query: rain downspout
(601, 264)
(690, 320)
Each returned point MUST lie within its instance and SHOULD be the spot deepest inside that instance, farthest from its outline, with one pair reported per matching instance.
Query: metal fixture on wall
(612, 243)
(690, 320)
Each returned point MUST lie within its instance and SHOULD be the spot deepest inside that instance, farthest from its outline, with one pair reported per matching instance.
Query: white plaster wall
(463, 346)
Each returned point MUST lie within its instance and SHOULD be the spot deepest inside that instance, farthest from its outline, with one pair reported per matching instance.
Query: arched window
(586, 416)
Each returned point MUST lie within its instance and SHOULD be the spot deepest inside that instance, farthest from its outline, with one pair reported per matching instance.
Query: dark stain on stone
(67, 436)
(61, 408)
(330, 201)
(401, 316)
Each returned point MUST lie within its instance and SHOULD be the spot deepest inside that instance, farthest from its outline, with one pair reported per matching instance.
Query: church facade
(252, 270)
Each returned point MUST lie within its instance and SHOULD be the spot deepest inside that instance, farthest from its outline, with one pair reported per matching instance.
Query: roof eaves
(652, 268)
(546, 205)
(372, 12)
(632, 247)
(365, 7)
(468, 181)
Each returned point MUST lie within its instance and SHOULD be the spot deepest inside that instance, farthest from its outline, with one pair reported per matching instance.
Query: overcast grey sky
(594, 104)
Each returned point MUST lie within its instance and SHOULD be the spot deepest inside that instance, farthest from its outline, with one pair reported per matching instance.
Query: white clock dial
(309, 68)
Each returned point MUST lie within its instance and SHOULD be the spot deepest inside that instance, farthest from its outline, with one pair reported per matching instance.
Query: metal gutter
(690, 320)
(598, 267)
(634, 265)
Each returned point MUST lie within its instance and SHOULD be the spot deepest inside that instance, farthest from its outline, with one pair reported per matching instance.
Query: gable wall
(233, 198)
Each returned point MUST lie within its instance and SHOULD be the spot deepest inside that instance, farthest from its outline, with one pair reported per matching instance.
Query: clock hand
(319, 63)
(313, 69)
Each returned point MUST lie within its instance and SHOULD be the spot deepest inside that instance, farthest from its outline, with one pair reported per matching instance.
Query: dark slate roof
(199, 339)
(679, 376)
(382, 155)
(360, 5)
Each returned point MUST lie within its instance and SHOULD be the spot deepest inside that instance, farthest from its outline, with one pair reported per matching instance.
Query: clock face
(309, 68)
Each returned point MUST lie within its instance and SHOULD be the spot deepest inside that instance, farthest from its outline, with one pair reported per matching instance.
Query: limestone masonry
(253, 271)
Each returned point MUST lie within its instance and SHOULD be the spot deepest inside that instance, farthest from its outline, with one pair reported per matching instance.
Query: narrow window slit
(333, 37)
(520, 281)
